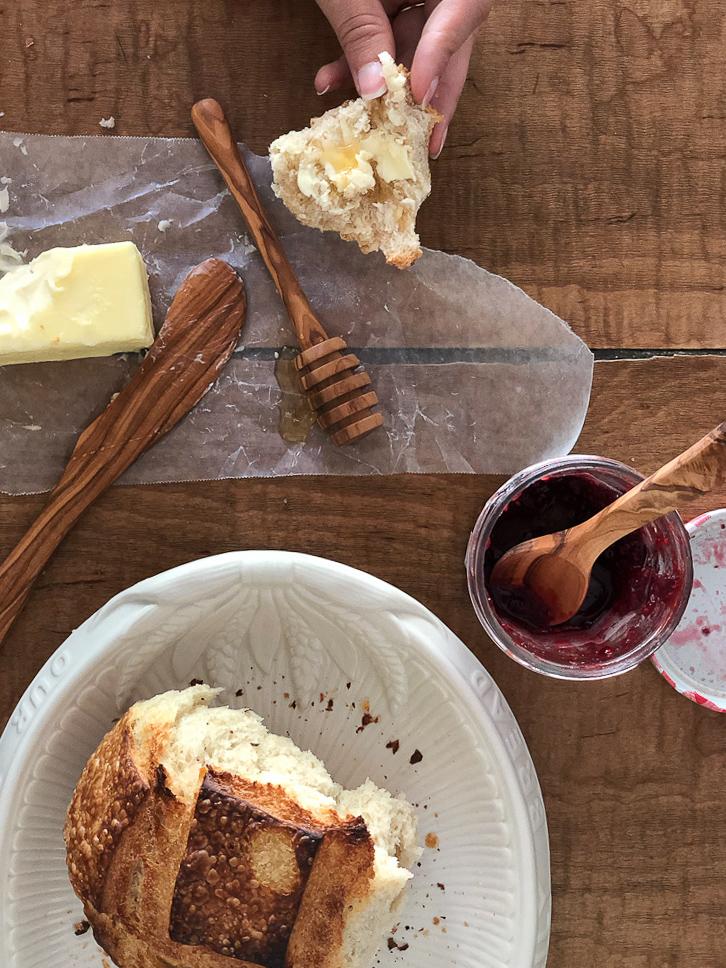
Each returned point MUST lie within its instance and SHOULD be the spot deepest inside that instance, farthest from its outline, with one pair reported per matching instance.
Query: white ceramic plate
(272, 623)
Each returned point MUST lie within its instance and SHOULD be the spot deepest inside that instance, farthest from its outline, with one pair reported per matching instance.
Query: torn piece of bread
(362, 169)
(198, 839)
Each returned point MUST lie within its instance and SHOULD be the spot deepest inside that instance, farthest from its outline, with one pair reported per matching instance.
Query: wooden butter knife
(199, 335)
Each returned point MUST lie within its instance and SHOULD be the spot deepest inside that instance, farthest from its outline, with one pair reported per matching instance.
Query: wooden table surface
(586, 164)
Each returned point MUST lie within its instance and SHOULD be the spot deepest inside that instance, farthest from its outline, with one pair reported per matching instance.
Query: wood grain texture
(586, 165)
(632, 774)
(585, 162)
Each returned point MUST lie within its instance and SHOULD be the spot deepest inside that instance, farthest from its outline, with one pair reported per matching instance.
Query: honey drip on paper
(297, 419)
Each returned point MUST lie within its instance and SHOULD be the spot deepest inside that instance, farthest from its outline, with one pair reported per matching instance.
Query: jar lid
(693, 660)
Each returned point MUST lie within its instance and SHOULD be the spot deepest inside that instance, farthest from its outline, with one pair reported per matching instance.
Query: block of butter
(90, 300)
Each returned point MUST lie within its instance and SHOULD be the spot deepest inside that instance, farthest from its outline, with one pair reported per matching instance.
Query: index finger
(450, 24)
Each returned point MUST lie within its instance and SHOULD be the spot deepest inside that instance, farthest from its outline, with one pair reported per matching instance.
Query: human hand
(433, 38)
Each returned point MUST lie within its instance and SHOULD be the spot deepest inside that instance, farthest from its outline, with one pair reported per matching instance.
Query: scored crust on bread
(362, 169)
(198, 839)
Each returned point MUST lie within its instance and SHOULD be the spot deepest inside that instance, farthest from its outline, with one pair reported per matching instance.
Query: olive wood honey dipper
(338, 388)
(201, 331)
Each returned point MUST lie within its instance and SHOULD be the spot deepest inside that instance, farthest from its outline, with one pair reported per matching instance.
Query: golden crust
(341, 877)
(139, 884)
(105, 802)
(241, 876)
(406, 259)
(131, 951)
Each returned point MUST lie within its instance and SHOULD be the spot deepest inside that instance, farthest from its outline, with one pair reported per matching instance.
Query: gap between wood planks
(481, 354)
(603, 356)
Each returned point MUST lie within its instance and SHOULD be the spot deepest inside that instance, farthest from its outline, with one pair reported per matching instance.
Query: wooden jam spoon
(338, 388)
(554, 571)
(199, 335)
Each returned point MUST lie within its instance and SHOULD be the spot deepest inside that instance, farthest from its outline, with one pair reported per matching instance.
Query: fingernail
(429, 95)
(443, 142)
(324, 91)
(370, 80)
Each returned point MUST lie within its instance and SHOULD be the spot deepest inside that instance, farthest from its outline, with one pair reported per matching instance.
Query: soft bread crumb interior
(361, 169)
(189, 735)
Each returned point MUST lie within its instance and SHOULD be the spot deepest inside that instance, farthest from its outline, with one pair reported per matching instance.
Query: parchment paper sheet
(473, 375)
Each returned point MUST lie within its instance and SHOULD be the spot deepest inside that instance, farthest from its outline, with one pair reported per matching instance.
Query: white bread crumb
(362, 169)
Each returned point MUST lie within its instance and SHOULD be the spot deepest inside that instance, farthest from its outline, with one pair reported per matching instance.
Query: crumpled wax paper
(473, 376)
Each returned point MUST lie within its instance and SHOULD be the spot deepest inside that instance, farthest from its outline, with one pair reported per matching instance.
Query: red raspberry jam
(634, 584)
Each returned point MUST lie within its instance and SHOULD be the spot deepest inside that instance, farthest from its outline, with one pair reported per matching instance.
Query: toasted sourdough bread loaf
(362, 169)
(197, 839)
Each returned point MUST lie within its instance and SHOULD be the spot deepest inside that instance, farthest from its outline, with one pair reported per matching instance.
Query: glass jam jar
(639, 589)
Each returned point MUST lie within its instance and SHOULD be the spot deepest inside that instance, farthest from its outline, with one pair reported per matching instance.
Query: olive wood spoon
(338, 388)
(199, 335)
(553, 571)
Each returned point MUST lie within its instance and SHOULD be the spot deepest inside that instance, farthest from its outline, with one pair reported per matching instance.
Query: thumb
(364, 31)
